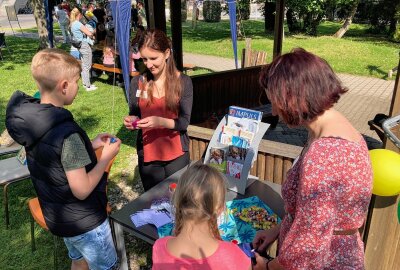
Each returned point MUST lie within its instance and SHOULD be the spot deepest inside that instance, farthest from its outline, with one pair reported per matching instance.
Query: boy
(69, 181)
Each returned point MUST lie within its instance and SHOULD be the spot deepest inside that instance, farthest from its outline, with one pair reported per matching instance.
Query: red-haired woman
(160, 105)
(328, 189)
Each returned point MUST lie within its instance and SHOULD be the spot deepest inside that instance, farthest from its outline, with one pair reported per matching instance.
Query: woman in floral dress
(328, 189)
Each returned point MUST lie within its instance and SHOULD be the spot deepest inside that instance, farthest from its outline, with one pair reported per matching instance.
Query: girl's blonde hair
(73, 15)
(199, 197)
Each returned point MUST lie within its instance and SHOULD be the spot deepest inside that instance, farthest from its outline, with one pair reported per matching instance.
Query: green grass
(358, 52)
(94, 112)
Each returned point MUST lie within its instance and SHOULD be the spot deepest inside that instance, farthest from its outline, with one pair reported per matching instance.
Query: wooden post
(159, 16)
(176, 29)
(278, 31)
(151, 16)
(383, 230)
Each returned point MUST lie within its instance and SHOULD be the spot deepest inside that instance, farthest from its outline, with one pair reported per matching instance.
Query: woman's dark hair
(300, 86)
(157, 40)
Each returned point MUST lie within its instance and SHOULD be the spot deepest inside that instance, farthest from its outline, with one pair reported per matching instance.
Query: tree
(347, 22)
(40, 18)
(312, 12)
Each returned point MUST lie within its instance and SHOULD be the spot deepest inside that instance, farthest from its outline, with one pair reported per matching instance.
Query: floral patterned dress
(328, 189)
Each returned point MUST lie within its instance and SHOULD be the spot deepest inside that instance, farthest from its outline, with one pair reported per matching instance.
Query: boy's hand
(128, 120)
(264, 238)
(100, 140)
(110, 150)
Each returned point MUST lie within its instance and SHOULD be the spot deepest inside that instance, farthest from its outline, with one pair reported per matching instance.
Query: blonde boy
(69, 181)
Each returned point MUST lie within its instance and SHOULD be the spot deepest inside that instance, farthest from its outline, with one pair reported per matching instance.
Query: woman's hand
(100, 140)
(128, 120)
(150, 122)
(264, 238)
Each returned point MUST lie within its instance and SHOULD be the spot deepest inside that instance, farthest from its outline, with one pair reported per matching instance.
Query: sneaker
(91, 88)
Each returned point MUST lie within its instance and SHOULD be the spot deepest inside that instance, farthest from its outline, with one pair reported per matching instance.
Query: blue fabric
(230, 226)
(232, 22)
(121, 12)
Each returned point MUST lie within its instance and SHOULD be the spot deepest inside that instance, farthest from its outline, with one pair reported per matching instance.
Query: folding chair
(3, 44)
(11, 171)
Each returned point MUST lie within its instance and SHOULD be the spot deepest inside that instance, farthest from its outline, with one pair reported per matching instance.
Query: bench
(98, 66)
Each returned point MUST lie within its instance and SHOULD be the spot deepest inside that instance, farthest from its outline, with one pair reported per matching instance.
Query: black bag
(76, 43)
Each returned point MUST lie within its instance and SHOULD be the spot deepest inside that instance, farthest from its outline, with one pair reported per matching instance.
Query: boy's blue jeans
(95, 246)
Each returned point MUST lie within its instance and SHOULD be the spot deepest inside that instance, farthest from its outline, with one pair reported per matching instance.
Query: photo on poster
(218, 158)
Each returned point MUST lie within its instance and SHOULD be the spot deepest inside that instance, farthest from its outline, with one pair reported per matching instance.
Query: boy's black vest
(64, 214)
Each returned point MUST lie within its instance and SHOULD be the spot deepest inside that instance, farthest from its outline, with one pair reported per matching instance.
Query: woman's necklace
(159, 92)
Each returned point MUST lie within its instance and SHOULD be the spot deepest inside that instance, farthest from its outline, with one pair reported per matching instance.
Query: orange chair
(37, 214)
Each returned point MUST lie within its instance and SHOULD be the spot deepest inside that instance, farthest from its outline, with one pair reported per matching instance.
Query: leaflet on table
(218, 158)
(235, 160)
(244, 119)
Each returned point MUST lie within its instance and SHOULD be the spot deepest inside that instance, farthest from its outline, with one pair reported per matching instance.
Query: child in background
(91, 26)
(198, 199)
(69, 180)
(109, 53)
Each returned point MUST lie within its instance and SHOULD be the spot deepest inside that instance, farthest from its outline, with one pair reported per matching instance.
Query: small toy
(134, 123)
(172, 187)
(113, 140)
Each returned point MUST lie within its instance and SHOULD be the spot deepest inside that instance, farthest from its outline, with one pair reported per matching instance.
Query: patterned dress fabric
(328, 189)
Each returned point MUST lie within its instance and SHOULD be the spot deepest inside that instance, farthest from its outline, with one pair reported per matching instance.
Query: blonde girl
(198, 199)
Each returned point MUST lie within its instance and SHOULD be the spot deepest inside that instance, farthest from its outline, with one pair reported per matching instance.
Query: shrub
(212, 11)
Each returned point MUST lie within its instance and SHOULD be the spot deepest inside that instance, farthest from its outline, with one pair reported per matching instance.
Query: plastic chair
(37, 214)
(11, 172)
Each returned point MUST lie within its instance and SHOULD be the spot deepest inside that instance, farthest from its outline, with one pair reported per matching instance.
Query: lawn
(358, 53)
(97, 111)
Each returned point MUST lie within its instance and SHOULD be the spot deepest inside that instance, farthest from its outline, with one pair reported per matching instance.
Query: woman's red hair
(300, 86)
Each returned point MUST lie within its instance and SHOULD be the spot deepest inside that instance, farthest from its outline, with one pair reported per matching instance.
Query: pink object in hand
(134, 123)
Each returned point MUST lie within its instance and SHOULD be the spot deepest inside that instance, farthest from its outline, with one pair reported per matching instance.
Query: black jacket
(42, 129)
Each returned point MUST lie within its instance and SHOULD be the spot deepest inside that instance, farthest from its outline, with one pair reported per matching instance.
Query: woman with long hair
(160, 105)
(79, 33)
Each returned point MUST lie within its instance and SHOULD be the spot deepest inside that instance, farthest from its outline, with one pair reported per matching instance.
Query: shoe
(91, 88)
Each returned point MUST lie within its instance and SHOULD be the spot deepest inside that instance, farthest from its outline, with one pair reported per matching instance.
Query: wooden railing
(273, 161)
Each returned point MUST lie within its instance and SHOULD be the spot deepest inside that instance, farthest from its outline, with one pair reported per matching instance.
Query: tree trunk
(340, 33)
(40, 18)
(194, 15)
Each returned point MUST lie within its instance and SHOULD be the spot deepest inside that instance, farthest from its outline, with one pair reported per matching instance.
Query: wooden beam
(176, 29)
(383, 230)
(159, 16)
(278, 32)
(151, 13)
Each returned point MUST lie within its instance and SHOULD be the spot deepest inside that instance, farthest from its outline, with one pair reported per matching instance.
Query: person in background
(101, 17)
(136, 63)
(141, 15)
(63, 21)
(160, 106)
(198, 200)
(327, 191)
(134, 17)
(69, 180)
(79, 32)
(65, 6)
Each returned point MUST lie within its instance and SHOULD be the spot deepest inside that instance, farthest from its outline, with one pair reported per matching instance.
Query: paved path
(366, 97)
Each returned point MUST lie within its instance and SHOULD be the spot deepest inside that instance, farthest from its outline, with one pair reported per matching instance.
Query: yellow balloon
(386, 170)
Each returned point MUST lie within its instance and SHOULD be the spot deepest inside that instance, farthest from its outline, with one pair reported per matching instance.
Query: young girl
(109, 53)
(198, 199)
(160, 105)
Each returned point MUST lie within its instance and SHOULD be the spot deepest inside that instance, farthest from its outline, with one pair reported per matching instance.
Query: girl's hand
(261, 262)
(128, 120)
(100, 140)
(150, 122)
(110, 150)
